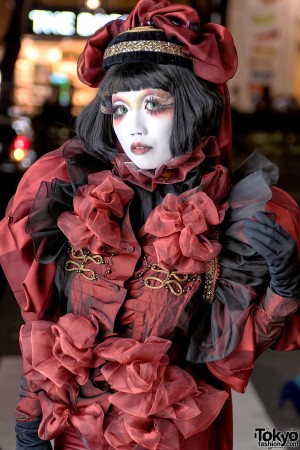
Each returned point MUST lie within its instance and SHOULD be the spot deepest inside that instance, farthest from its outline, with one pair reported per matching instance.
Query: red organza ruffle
(59, 352)
(181, 225)
(152, 400)
(97, 207)
(172, 171)
(156, 400)
(58, 358)
(86, 417)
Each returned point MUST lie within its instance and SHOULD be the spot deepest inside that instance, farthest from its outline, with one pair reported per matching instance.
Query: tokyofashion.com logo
(273, 438)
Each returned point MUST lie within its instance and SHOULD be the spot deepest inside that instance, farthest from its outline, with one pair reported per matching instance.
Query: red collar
(173, 171)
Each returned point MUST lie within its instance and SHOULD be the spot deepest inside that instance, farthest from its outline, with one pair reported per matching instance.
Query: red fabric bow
(210, 46)
(90, 62)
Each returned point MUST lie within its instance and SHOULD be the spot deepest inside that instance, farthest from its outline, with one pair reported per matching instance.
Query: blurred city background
(40, 97)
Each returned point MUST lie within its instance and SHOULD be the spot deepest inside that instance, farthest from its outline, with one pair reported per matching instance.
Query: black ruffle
(53, 198)
(244, 274)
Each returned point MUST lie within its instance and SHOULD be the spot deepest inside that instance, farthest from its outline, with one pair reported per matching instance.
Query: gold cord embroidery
(78, 264)
(171, 281)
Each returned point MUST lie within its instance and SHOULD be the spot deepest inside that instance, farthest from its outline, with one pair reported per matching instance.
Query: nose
(137, 123)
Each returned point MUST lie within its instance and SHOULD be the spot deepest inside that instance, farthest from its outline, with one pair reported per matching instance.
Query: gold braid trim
(141, 29)
(145, 46)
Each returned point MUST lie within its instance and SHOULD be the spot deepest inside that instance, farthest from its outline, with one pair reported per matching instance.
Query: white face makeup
(143, 122)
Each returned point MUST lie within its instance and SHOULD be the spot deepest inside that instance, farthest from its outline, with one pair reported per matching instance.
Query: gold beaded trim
(145, 46)
(215, 233)
(211, 278)
(80, 259)
(212, 274)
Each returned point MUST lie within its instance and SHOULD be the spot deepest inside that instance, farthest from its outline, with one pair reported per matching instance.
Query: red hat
(165, 33)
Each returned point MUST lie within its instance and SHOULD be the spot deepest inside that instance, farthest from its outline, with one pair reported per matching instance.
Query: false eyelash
(106, 105)
(107, 109)
(164, 102)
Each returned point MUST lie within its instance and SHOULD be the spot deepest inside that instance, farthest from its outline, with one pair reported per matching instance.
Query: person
(52, 125)
(264, 103)
(149, 276)
(291, 391)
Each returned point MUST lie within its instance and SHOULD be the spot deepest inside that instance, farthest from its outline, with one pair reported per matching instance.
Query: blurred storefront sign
(44, 63)
(48, 57)
(67, 23)
(265, 32)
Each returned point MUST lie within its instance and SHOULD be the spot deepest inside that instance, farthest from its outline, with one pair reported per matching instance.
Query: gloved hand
(27, 437)
(279, 250)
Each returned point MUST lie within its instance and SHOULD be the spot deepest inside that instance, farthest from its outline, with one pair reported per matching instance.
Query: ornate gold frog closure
(172, 280)
(79, 259)
(168, 279)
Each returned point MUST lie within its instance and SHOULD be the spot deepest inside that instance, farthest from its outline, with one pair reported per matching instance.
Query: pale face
(143, 121)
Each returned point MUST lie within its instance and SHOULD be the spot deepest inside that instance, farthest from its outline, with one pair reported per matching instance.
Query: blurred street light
(93, 4)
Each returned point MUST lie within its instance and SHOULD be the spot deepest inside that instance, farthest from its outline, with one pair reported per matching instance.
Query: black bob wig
(198, 106)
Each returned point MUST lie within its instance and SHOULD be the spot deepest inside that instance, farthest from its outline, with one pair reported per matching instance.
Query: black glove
(27, 437)
(279, 250)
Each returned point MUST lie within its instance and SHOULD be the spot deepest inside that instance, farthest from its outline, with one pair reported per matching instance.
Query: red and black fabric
(75, 342)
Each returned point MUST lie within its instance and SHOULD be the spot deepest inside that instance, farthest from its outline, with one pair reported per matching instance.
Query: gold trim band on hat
(145, 46)
(141, 29)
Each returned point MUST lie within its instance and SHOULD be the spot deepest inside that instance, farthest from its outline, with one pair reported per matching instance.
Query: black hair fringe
(197, 113)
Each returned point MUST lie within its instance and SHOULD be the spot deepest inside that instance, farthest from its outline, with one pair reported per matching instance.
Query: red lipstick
(138, 148)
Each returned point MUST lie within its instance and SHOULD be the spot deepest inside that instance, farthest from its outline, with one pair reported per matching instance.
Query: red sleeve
(31, 282)
(275, 321)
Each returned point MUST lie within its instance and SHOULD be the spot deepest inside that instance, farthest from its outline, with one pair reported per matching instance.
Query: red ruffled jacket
(113, 368)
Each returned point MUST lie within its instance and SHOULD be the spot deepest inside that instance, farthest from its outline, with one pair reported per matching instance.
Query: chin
(145, 167)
